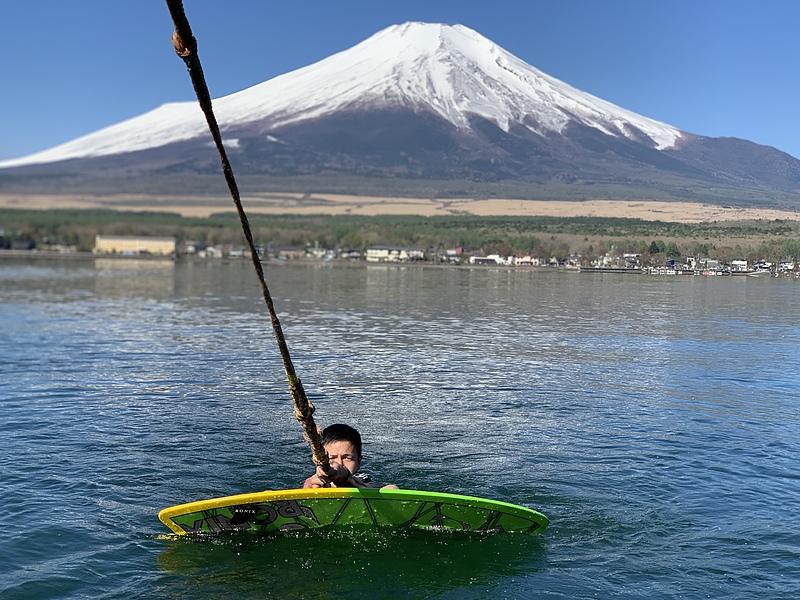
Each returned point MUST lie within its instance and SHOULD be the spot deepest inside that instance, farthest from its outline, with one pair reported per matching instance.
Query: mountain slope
(423, 102)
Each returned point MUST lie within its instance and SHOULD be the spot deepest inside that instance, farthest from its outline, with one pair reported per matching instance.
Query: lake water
(655, 421)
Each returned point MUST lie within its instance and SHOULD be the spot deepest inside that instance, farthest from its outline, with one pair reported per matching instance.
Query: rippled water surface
(653, 420)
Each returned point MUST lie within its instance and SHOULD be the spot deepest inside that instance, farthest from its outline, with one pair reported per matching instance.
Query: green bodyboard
(331, 508)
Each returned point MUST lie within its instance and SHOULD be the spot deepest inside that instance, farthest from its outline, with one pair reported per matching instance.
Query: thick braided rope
(186, 47)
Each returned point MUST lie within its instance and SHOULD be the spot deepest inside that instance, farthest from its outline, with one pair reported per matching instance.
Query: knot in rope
(182, 49)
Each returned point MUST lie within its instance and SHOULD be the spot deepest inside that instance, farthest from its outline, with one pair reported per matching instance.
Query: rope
(186, 47)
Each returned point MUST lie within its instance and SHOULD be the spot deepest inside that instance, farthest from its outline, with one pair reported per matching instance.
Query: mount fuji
(416, 106)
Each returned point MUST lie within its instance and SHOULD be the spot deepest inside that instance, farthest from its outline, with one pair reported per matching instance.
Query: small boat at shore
(756, 273)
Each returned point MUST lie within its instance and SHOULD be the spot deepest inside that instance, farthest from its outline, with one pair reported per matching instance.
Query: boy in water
(343, 445)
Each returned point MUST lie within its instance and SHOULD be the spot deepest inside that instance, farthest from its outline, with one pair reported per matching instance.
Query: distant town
(611, 262)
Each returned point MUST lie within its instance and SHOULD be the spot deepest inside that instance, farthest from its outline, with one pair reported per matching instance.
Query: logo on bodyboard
(253, 516)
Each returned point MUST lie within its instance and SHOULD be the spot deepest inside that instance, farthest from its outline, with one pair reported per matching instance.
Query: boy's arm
(339, 479)
(356, 481)
(337, 474)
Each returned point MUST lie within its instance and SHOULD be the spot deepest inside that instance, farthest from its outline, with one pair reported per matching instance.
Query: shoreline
(139, 261)
(271, 263)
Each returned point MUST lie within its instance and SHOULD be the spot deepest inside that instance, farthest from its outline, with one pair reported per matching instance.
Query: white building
(492, 259)
(738, 265)
(394, 254)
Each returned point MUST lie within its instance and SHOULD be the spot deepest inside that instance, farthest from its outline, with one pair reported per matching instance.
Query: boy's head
(343, 445)
(342, 433)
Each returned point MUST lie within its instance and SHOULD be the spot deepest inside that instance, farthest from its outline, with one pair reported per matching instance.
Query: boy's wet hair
(342, 433)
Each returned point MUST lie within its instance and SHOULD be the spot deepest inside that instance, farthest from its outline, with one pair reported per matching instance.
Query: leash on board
(186, 47)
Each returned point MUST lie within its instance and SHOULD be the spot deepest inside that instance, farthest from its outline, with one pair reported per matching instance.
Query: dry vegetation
(333, 204)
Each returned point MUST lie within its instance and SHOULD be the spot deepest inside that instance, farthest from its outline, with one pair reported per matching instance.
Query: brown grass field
(332, 204)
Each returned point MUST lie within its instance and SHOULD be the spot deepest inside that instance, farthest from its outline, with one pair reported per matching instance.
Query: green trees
(544, 237)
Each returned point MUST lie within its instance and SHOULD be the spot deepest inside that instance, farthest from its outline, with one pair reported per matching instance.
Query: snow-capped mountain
(452, 70)
(425, 101)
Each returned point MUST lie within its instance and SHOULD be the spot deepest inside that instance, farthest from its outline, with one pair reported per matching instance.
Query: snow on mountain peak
(449, 69)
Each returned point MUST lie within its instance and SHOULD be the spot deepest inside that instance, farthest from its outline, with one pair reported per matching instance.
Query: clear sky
(711, 67)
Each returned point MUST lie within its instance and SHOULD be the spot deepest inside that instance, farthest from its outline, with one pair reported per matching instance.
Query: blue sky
(711, 67)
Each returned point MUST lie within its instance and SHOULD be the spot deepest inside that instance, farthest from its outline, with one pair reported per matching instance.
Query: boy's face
(344, 453)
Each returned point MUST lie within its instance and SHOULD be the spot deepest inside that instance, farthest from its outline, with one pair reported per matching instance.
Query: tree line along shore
(557, 238)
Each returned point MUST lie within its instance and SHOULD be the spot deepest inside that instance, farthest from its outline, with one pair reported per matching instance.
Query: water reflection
(135, 278)
(375, 564)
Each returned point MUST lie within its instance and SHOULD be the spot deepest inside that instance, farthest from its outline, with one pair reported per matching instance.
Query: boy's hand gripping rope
(186, 47)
